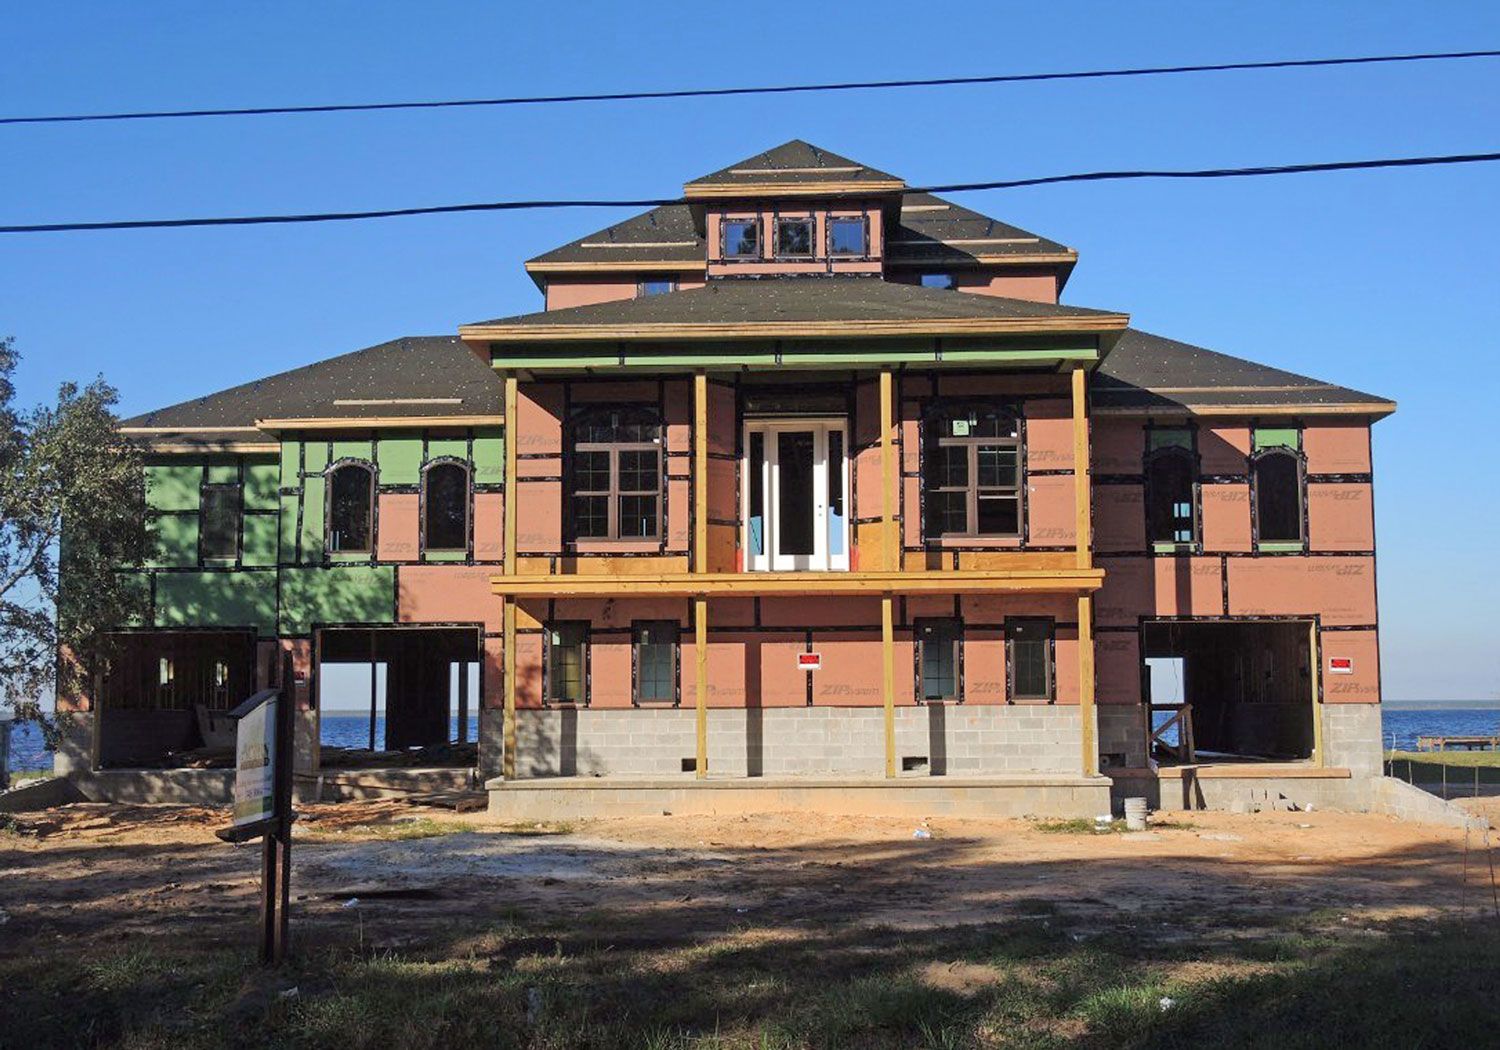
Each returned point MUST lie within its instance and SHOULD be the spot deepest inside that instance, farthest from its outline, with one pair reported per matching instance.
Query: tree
(72, 514)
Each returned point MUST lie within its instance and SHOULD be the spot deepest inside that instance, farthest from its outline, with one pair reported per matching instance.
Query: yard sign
(255, 765)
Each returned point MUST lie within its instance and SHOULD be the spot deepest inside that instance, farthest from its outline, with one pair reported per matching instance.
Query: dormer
(794, 210)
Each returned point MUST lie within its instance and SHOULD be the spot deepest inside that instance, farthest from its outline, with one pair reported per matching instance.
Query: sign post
(263, 806)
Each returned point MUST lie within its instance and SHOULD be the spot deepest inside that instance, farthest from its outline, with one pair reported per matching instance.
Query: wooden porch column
(1084, 556)
(700, 562)
(892, 555)
(1315, 660)
(508, 761)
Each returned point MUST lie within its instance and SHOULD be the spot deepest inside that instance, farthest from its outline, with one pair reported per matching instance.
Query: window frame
(328, 476)
(640, 286)
(637, 663)
(1299, 461)
(943, 275)
(613, 494)
(863, 220)
(427, 468)
(755, 223)
(548, 678)
(811, 222)
(946, 623)
(1012, 624)
(943, 413)
(1195, 497)
(237, 544)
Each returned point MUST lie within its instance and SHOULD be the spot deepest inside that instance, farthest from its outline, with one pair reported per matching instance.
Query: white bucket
(1135, 814)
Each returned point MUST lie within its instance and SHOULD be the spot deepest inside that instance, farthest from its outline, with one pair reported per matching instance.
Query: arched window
(351, 499)
(614, 475)
(972, 472)
(445, 507)
(1276, 483)
(1170, 477)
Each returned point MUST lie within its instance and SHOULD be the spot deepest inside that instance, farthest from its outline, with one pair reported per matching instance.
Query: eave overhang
(376, 422)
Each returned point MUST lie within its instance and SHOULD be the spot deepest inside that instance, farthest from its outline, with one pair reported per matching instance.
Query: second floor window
(445, 507)
(971, 468)
(614, 481)
(351, 502)
(219, 531)
(1276, 482)
(1170, 478)
(741, 238)
(846, 237)
(794, 238)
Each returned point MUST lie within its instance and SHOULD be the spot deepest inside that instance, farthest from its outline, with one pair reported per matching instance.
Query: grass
(1023, 986)
(1484, 759)
(1459, 768)
(1088, 826)
(396, 831)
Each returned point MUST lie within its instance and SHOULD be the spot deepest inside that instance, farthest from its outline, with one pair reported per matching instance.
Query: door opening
(795, 496)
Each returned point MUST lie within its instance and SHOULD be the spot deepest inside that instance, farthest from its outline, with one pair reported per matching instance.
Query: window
(219, 530)
(351, 497)
(1276, 483)
(972, 473)
(656, 661)
(939, 661)
(1028, 659)
(937, 280)
(567, 662)
(741, 238)
(794, 238)
(615, 479)
(1170, 478)
(657, 286)
(846, 236)
(445, 507)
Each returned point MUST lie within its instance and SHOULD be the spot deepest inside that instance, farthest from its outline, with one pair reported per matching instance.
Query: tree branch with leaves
(72, 517)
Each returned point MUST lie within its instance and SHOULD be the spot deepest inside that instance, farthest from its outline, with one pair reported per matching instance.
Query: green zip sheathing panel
(447, 448)
(261, 482)
(353, 450)
(489, 457)
(217, 599)
(221, 474)
(291, 463)
(312, 519)
(1161, 437)
(315, 457)
(336, 594)
(140, 583)
(173, 540)
(400, 460)
(173, 486)
(1277, 437)
(258, 545)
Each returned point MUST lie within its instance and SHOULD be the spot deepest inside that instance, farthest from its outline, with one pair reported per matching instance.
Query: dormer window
(657, 286)
(937, 280)
(794, 238)
(847, 237)
(741, 238)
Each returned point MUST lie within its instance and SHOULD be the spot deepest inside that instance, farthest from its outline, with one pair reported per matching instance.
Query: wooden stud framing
(1083, 539)
(509, 555)
(1086, 710)
(888, 661)
(700, 564)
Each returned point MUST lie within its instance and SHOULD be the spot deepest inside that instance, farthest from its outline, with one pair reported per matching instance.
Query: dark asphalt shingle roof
(792, 162)
(931, 228)
(811, 299)
(1146, 371)
(664, 234)
(440, 369)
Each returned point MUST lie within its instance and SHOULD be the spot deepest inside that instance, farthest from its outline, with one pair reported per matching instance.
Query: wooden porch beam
(508, 624)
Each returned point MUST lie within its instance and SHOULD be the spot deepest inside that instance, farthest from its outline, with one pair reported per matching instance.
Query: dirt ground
(401, 887)
(86, 871)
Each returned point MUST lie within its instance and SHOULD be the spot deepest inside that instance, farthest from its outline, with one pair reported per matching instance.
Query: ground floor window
(1028, 659)
(567, 662)
(656, 648)
(939, 661)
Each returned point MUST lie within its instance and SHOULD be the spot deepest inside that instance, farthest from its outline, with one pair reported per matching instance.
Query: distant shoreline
(1449, 705)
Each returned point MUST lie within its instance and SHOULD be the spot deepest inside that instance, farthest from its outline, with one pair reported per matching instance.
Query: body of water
(1401, 725)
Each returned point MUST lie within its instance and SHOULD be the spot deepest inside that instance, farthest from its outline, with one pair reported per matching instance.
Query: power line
(956, 187)
(777, 89)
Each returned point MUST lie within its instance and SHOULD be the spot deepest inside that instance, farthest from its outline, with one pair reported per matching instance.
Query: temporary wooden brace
(509, 624)
(700, 562)
(892, 558)
(1083, 546)
(1315, 659)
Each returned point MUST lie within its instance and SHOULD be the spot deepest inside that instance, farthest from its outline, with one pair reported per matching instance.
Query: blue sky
(1386, 282)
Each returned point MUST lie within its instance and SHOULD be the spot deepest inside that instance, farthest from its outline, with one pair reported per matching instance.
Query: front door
(795, 495)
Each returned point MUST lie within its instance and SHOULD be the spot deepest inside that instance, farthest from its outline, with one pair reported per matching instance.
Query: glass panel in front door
(795, 513)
